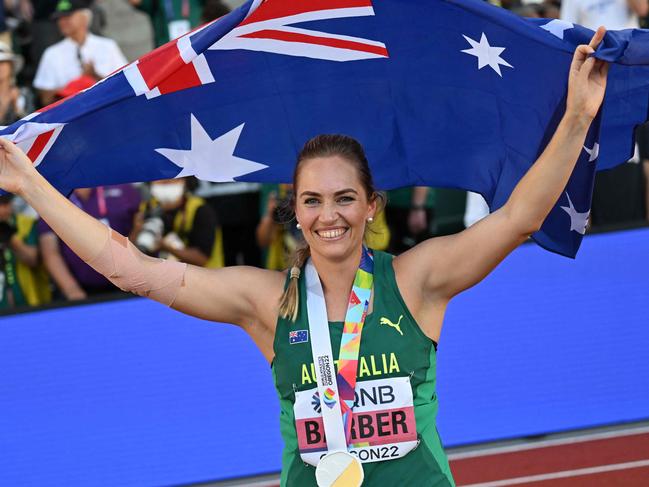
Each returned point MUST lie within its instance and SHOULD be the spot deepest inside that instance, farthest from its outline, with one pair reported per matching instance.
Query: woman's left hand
(587, 80)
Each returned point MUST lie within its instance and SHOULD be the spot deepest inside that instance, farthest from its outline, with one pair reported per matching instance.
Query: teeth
(331, 233)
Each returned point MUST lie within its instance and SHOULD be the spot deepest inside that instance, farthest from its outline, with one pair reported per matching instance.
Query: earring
(298, 226)
(370, 220)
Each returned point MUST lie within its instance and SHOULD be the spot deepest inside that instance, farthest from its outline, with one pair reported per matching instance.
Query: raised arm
(457, 262)
(241, 296)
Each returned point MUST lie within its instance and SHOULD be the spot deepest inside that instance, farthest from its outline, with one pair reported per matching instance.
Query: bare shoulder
(421, 266)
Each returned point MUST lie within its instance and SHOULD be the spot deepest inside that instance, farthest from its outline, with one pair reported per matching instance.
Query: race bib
(178, 28)
(383, 422)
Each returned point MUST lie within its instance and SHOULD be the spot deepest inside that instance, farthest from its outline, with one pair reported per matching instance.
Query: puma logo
(386, 321)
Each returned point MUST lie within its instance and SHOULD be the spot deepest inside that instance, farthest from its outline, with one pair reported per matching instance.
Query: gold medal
(339, 469)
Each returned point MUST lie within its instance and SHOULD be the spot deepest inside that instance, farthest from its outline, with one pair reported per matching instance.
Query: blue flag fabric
(450, 93)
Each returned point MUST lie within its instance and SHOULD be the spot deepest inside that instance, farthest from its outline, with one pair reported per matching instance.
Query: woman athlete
(394, 403)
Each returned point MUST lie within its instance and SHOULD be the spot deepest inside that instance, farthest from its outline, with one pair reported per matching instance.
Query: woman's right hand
(15, 167)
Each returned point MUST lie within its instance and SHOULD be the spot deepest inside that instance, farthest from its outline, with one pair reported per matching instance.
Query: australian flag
(450, 93)
(298, 336)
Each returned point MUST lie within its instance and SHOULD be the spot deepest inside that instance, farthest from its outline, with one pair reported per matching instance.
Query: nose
(329, 213)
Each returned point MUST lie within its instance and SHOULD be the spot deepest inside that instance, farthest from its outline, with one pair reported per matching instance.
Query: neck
(79, 37)
(337, 274)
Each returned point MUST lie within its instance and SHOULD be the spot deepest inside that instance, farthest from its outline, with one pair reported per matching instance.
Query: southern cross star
(578, 221)
(557, 27)
(487, 55)
(592, 153)
(211, 160)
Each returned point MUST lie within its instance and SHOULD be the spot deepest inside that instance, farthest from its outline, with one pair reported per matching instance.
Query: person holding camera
(22, 281)
(276, 233)
(175, 224)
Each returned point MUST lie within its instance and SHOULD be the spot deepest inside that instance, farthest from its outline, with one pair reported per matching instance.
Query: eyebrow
(337, 193)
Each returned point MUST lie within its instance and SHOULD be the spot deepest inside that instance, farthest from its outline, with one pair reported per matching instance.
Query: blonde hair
(290, 301)
(324, 146)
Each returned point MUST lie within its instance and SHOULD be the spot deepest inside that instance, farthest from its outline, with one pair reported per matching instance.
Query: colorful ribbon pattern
(350, 344)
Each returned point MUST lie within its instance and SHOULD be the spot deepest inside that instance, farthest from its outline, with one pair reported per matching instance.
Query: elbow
(531, 228)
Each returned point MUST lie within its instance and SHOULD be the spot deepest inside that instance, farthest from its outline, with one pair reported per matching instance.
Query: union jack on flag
(450, 93)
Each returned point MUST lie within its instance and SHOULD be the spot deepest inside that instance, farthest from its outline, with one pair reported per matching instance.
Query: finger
(603, 68)
(597, 37)
(587, 67)
(581, 54)
(8, 146)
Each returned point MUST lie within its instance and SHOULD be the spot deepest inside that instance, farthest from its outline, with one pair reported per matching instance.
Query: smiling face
(332, 206)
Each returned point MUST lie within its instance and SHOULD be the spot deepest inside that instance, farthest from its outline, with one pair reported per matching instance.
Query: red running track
(618, 458)
(610, 459)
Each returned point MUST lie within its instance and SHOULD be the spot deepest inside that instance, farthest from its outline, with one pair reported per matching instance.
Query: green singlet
(392, 346)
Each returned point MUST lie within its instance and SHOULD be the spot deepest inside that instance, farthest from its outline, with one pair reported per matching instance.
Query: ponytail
(290, 301)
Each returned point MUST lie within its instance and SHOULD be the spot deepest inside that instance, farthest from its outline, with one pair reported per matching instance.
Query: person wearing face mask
(114, 206)
(176, 224)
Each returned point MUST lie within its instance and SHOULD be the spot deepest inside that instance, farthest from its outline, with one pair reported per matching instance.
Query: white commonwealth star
(211, 160)
(486, 54)
(557, 26)
(592, 153)
(578, 221)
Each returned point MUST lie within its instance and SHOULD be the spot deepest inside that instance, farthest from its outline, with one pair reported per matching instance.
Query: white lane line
(546, 443)
(562, 474)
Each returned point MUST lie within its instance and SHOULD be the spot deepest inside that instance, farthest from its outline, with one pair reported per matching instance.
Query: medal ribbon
(336, 390)
(350, 343)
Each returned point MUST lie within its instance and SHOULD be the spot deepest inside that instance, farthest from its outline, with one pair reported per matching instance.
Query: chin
(337, 250)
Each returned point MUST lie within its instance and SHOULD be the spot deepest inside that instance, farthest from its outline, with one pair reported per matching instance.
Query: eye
(311, 201)
(346, 199)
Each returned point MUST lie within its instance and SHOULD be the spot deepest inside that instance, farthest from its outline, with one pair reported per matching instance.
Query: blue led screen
(130, 393)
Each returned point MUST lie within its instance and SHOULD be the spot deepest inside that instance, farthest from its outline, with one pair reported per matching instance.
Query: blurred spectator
(22, 280)
(526, 10)
(212, 10)
(175, 224)
(612, 14)
(547, 9)
(642, 136)
(80, 53)
(409, 213)
(619, 196)
(173, 18)
(276, 233)
(550, 9)
(44, 31)
(644, 21)
(14, 103)
(115, 206)
(237, 206)
(5, 33)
